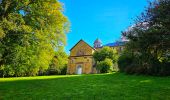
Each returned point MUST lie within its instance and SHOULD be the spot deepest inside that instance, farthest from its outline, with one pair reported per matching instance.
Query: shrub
(165, 69)
(105, 66)
(142, 64)
(124, 61)
(54, 70)
(58, 64)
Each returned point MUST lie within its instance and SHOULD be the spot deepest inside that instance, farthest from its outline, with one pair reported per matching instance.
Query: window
(80, 52)
(72, 60)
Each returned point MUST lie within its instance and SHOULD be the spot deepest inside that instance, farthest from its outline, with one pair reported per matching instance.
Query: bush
(58, 64)
(165, 69)
(124, 61)
(105, 66)
(55, 70)
(142, 64)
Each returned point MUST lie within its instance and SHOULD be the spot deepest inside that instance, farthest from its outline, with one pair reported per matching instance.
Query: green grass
(114, 86)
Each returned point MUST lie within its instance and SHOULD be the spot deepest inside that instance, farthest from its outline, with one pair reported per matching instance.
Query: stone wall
(86, 62)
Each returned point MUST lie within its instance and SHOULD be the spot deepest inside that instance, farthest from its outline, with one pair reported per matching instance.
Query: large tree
(150, 38)
(30, 32)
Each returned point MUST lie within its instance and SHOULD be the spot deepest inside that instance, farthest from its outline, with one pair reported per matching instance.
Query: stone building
(81, 60)
(81, 56)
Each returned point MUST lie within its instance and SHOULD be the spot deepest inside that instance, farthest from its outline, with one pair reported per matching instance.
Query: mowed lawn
(116, 86)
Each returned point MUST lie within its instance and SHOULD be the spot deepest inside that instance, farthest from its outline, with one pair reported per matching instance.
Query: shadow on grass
(94, 86)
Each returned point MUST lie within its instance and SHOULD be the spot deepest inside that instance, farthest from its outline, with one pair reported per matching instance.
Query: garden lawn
(116, 86)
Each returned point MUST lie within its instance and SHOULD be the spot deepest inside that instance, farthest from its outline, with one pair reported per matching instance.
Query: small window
(80, 52)
(72, 60)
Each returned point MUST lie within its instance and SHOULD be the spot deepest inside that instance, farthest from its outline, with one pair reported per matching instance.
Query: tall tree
(30, 32)
(150, 36)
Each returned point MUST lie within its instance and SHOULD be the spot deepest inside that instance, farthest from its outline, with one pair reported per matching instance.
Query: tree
(103, 57)
(106, 52)
(58, 64)
(105, 66)
(30, 32)
(150, 38)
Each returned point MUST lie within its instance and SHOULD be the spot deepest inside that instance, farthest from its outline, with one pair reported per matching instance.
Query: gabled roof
(84, 42)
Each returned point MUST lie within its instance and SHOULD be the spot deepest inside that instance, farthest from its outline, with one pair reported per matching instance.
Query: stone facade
(81, 60)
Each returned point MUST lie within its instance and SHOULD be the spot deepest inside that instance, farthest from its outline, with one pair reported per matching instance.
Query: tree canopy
(30, 32)
(106, 52)
(150, 39)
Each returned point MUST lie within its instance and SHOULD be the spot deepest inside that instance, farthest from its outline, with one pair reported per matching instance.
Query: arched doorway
(79, 69)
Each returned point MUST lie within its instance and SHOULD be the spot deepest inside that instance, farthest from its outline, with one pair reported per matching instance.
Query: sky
(103, 19)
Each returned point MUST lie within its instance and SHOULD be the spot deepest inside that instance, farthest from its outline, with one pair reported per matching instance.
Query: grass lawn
(114, 86)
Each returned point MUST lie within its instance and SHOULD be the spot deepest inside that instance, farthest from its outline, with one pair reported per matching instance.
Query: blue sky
(103, 19)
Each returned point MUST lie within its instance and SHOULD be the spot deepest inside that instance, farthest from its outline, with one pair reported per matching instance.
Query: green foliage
(116, 86)
(132, 63)
(149, 40)
(105, 58)
(58, 64)
(106, 52)
(30, 32)
(124, 61)
(105, 66)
